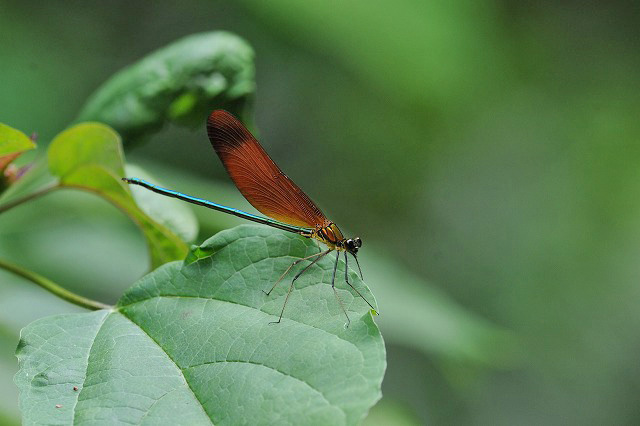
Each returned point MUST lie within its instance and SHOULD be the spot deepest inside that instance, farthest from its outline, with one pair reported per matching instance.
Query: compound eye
(358, 242)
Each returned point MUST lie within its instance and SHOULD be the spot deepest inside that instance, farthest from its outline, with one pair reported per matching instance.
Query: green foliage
(193, 341)
(13, 141)
(486, 150)
(20, 304)
(181, 83)
(89, 156)
(82, 145)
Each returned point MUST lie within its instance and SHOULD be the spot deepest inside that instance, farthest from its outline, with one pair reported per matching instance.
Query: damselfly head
(353, 244)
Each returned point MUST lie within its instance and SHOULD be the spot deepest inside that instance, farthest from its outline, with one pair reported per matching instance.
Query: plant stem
(54, 288)
(40, 192)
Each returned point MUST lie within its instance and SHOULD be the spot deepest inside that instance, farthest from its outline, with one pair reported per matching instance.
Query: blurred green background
(489, 151)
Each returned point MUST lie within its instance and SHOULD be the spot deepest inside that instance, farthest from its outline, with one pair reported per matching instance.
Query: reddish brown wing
(257, 177)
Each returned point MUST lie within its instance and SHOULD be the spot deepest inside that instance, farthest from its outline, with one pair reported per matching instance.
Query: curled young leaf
(181, 82)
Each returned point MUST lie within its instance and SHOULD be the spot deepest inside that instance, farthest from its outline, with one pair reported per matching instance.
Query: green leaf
(181, 82)
(20, 303)
(192, 344)
(13, 141)
(86, 143)
(89, 156)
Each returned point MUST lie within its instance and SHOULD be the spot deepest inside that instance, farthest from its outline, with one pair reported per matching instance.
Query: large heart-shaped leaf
(89, 156)
(191, 343)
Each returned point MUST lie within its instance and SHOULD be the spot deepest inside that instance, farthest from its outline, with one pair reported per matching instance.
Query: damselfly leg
(286, 299)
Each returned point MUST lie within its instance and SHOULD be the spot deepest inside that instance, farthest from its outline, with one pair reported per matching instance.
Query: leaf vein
(173, 296)
(174, 363)
(268, 367)
(75, 404)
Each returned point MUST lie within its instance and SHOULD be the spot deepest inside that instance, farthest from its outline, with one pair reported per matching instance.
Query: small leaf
(192, 344)
(86, 143)
(89, 156)
(13, 141)
(181, 82)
